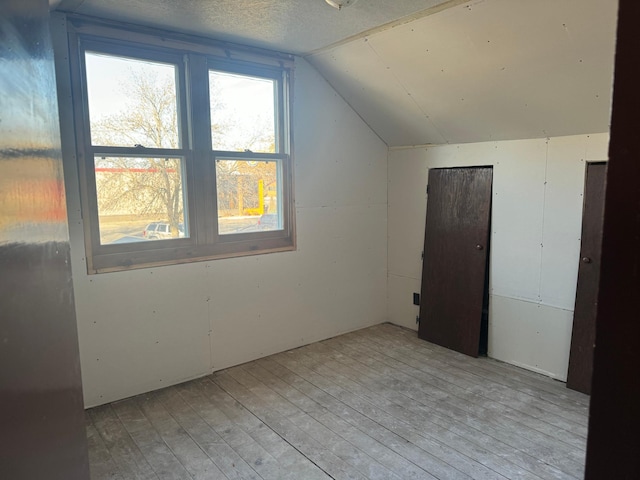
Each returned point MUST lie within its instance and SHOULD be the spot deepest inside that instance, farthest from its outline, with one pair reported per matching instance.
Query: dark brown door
(584, 317)
(455, 253)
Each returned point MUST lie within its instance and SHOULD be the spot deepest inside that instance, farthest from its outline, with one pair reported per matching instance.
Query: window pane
(140, 199)
(248, 196)
(242, 113)
(131, 102)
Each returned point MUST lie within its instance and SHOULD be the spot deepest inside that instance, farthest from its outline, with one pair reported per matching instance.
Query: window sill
(177, 256)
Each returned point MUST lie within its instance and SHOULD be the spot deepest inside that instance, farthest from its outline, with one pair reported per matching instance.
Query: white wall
(149, 328)
(535, 239)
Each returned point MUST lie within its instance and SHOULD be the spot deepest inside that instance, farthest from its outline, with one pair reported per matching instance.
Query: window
(183, 149)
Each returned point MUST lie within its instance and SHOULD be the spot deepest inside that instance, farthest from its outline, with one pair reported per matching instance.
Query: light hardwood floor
(374, 404)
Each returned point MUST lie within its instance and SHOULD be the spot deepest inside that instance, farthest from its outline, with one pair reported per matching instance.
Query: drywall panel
(376, 93)
(563, 197)
(326, 173)
(314, 301)
(597, 147)
(141, 330)
(402, 311)
(407, 210)
(462, 155)
(517, 218)
(149, 328)
(483, 70)
(530, 335)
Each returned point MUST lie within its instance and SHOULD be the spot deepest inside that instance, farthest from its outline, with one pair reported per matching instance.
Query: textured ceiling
(293, 26)
(484, 70)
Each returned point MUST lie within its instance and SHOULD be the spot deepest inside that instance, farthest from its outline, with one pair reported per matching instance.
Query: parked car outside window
(161, 230)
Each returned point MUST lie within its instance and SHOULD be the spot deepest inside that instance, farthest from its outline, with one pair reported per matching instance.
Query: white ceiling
(485, 70)
(292, 26)
(425, 71)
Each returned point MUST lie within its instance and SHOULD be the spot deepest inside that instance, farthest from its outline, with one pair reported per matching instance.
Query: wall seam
(544, 203)
(387, 242)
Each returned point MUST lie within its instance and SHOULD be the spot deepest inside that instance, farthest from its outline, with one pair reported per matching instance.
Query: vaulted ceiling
(425, 71)
(483, 70)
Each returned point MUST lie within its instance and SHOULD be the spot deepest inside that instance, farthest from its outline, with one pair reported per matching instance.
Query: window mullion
(203, 172)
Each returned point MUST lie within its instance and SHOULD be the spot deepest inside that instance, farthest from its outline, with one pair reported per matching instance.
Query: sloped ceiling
(424, 71)
(483, 70)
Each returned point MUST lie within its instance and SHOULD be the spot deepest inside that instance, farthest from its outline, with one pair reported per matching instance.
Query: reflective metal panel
(42, 431)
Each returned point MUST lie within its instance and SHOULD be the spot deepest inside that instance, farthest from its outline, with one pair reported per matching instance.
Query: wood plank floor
(373, 404)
